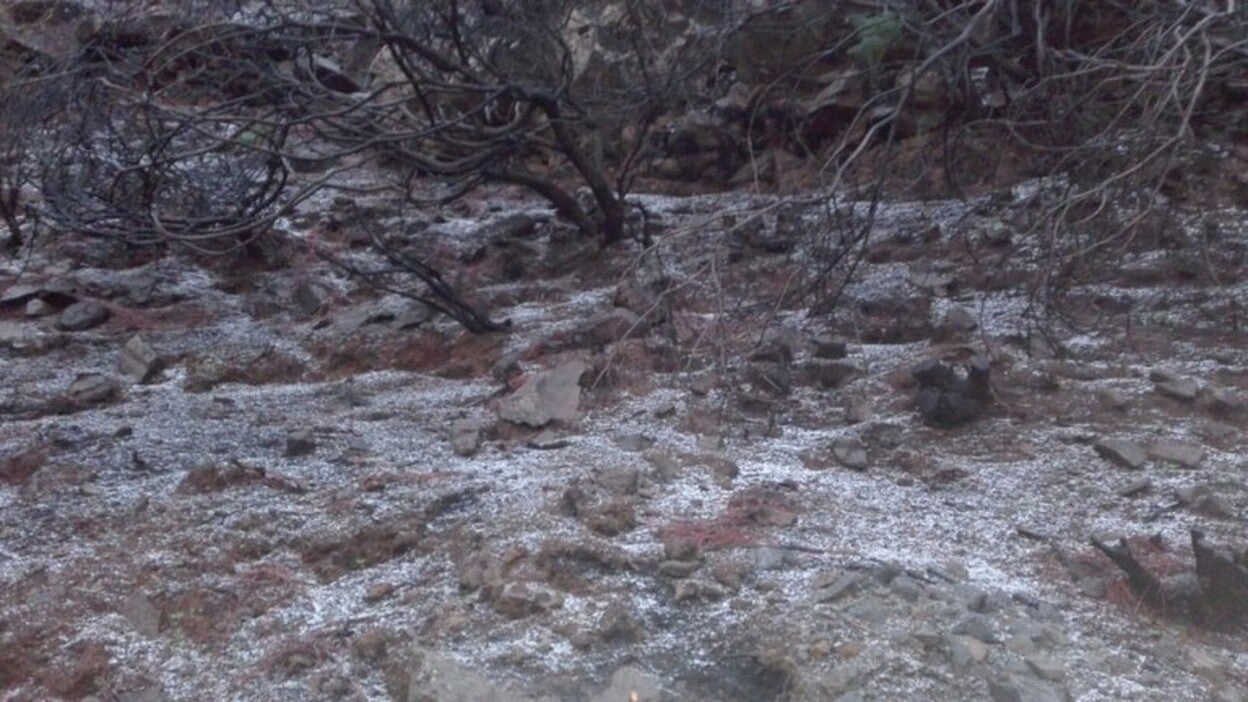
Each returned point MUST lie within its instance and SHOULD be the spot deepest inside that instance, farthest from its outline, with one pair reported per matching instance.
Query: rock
(828, 374)
(1046, 668)
(412, 316)
(829, 347)
(17, 468)
(356, 318)
(546, 396)
(1226, 403)
(1016, 688)
(1182, 389)
(83, 315)
(300, 442)
(139, 361)
(1136, 488)
(858, 410)
(18, 294)
(965, 651)
(307, 298)
(518, 600)
(92, 389)
(956, 322)
(1181, 452)
(851, 453)
(773, 558)
(465, 437)
(1125, 453)
(38, 308)
(936, 277)
(142, 615)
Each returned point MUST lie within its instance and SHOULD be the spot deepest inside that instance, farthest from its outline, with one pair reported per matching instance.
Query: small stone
(772, 558)
(38, 308)
(1182, 389)
(139, 361)
(965, 651)
(83, 315)
(1046, 668)
(1022, 645)
(851, 453)
(92, 388)
(1184, 454)
(1125, 453)
(465, 437)
(1226, 403)
(870, 610)
(142, 615)
(830, 347)
(18, 294)
(955, 323)
(936, 278)
(1136, 488)
(300, 442)
(858, 410)
(307, 298)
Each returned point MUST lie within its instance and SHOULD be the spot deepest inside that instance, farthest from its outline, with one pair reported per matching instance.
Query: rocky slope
(280, 484)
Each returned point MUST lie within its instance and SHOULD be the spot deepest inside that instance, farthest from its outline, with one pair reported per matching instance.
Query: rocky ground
(277, 483)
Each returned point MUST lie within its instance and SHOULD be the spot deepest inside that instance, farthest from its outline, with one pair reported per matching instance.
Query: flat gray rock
(1182, 389)
(83, 315)
(1125, 453)
(1181, 452)
(546, 396)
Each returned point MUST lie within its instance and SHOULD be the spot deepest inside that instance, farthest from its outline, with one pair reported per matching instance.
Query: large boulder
(546, 396)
